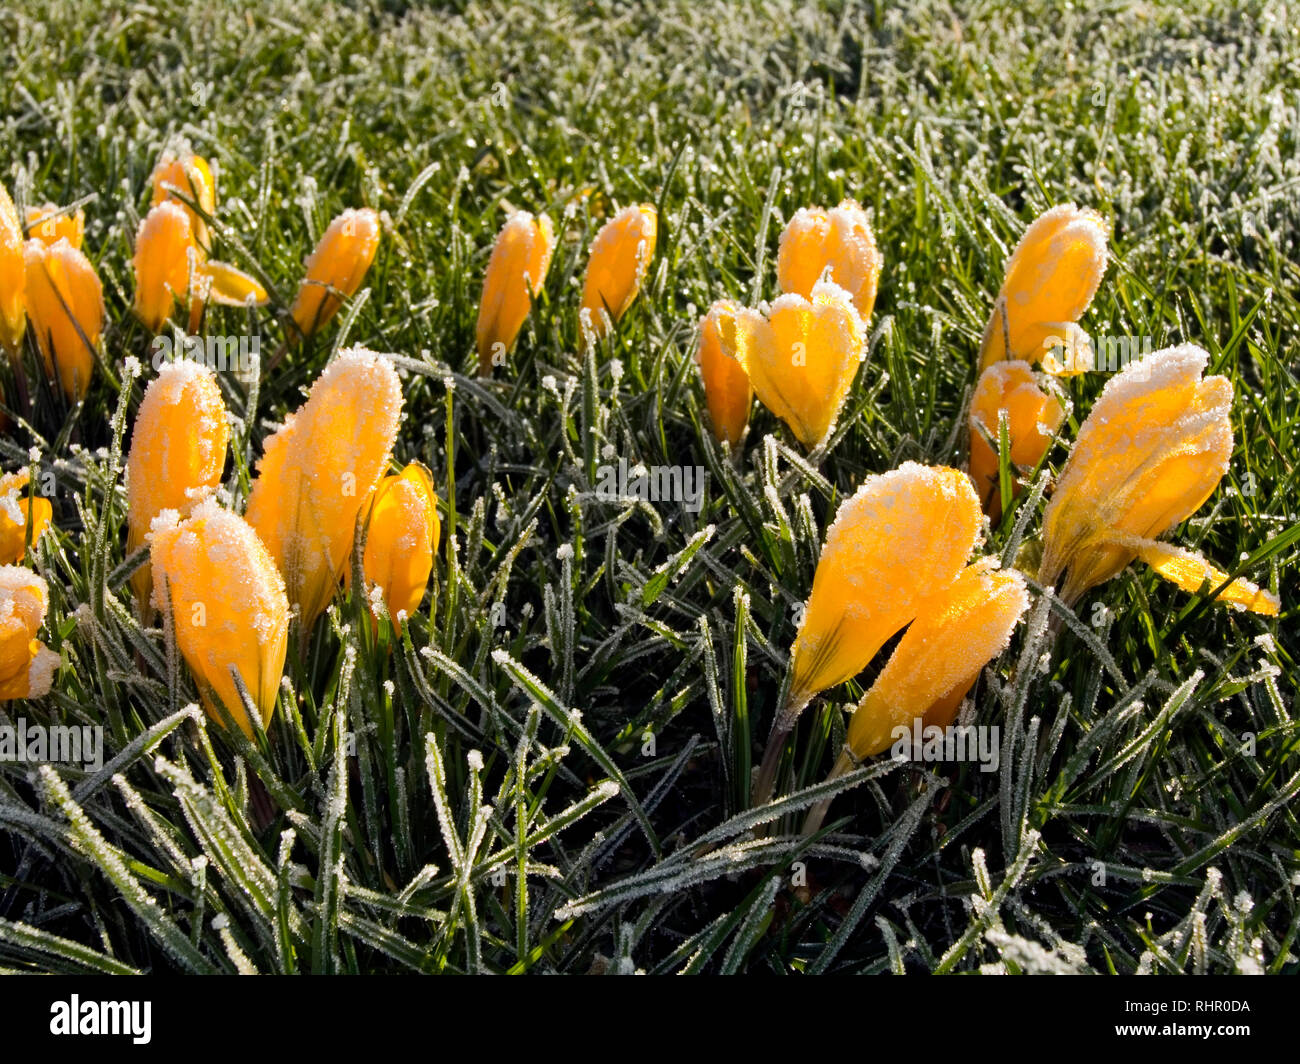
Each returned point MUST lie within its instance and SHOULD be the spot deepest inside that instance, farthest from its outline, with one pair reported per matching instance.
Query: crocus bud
(191, 177)
(515, 273)
(803, 357)
(336, 268)
(224, 602)
(26, 664)
(13, 279)
(1050, 282)
(318, 470)
(1033, 416)
(620, 256)
(1152, 449)
(400, 541)
(165, 263)
(49, 224)
(839, 241)
(726, 384)
(17, 512)
(65, 305)
(178, 450)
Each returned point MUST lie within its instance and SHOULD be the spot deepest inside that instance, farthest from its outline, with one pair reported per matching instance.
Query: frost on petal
(837, 244)
(620, 256)
(902, 535)
(519, 264)
(1191, 572)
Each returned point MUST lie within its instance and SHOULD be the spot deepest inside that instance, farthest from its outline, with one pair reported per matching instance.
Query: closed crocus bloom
(178, 450)
(49, 224)
(519, 263)
(17, 512)
(900, 537)
(620, 256)
(165, 260)
(65, 305)
(401, 539)
(26, 665)
(224, 600)
(839, 240)
(1050, 282)
(336, 268)
(803, 357)
(957, 631)
(1033, 416)
(190, 176)
(13, 279)
(726, 384)
(1152, 449)
(318, 470)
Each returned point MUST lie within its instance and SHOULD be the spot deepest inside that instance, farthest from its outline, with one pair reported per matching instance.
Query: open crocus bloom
(620, 256)
(336, 268)
(1033, 416)
(1152, 449)
(802, 358)
(13, 281)
(726, 384)
(65, 305)
(178, 450)
(26, 664)
(319, 468)
(17, 511)
(519, 263)
(839, 242)
(49, 224)
(224, 601)
(1050, 282)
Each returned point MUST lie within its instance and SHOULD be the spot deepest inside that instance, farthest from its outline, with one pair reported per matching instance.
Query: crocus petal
(1049, 284)
(164, 262)
(902, 535)
(519, 264)
(49, 223)
(17, 511)
(1191, 572)
(956, 633)
(178, 450)
(727, 389)
(191, 176)
(224, 604)
(231, 287)
(401, 539)
(803, 357)
(839, 241)
(318, 470)
(13, 284)
(26, 665)
(1033, 416)
(620, 256)
(65, 305)
(1154, 446)
(336, 268)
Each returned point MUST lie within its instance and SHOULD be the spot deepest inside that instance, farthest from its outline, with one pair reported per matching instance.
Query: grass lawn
(550, 771)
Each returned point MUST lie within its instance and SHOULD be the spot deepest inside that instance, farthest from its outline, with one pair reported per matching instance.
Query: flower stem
(844, 763)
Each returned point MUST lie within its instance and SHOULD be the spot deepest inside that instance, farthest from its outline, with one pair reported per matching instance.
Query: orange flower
(839, 241)
(400, 541)
(803, 357)
(726, 384)
(318, 470)
(224, 602)
(165, 261)
(336, 268)
(1033, 416)
(13, 281)
(49, 224)
(190, 176)
(519, 263)
(178, 450)
(26, 664)
(1050, 282)
(65, 304)
(16, 512)
(620, 256)
(1152, 449)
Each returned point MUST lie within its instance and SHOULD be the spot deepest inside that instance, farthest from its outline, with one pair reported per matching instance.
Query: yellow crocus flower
(318, 470)
(400, 540)
(65, 305)
(49, 224)
(336, 268)
(1033, 416)
(13, 279)
(191, 176)
(620, 257)
(178, 450)
(26, 664)
(17, 511)
(727, 390)
(519, 264)
(839, 241)
(222, 597)
(1049, 284)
